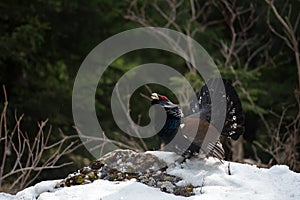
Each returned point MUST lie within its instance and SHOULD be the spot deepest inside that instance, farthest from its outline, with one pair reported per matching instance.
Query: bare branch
(131, 123)
(17, 145)
(290, 33)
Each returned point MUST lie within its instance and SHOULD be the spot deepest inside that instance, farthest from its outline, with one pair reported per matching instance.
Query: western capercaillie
(200, 120)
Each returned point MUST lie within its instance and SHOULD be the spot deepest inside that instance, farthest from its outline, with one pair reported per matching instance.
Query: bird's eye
(164, 98)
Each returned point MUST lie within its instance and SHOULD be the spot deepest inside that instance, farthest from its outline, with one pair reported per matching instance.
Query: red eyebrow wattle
(163, 97)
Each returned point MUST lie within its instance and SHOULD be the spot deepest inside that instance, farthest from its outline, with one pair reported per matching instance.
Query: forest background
(43, 43)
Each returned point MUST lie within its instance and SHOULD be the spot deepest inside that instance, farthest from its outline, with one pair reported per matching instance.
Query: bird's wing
(202, 134)
(194, 129)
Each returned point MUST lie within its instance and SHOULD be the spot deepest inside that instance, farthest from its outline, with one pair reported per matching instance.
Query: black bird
(199, 119)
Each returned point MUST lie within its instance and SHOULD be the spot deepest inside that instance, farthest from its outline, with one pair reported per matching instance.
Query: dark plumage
(199, 119)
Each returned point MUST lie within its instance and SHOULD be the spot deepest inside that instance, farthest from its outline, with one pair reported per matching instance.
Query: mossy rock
(123, 165)
(131, 162)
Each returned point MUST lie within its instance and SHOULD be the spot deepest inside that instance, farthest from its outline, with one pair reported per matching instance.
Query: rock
(166, 186)
(121, 165)
(132, 162)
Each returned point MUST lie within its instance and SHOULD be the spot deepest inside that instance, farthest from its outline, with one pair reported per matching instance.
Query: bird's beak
(154, 96)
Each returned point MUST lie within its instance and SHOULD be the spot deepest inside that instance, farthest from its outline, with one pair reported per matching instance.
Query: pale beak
(154, 96)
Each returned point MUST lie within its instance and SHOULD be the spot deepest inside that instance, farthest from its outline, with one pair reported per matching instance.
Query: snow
(32, 192)
(211, 177)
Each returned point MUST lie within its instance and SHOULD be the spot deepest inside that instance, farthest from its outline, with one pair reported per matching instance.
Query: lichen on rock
(132, 162)
(121, 165)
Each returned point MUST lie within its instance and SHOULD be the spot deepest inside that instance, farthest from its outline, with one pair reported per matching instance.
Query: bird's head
(173, 110)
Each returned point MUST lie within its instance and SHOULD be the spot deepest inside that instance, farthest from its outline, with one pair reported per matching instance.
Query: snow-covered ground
(212, 177)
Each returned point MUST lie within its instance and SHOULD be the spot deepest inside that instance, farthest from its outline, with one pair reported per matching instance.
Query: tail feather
(234, 121)
(234, 124)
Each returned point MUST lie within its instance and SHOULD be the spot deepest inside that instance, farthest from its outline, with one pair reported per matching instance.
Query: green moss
(98, 170)
(79, 180)
(92, 176)
(185, 191)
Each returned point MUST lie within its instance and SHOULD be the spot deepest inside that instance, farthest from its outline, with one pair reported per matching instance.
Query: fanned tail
(234, 121)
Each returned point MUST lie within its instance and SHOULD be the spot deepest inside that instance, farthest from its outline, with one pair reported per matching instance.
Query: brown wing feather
(204, 135)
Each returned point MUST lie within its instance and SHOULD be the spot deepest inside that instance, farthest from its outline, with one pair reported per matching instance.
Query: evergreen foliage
(43, 43)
